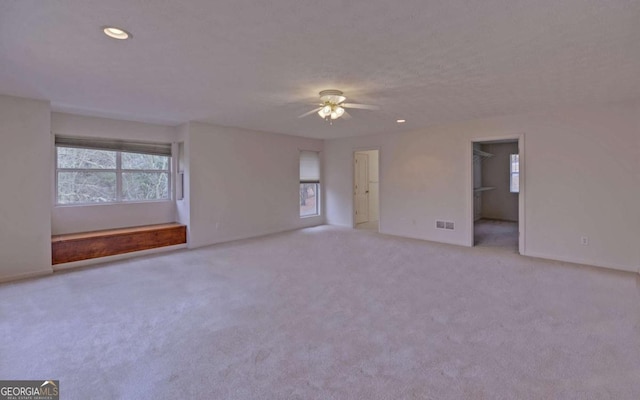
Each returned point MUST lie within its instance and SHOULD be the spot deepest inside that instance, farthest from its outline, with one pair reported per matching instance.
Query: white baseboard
(339, 225)
(26, 275)
(101, 260)
(254, 235)
(613, 266)
(424, 238)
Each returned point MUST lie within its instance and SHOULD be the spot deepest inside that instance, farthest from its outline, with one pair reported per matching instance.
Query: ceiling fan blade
(360, 106)
(310, 112)
(346, 115)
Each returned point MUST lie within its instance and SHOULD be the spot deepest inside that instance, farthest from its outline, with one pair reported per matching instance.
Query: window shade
(309, 167)
(158, 149)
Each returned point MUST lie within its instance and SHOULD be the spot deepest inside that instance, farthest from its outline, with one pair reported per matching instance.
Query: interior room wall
(582, 178)
(182, 205)
(82, 218)
(244, 183)
(25, 175)
(498, 203)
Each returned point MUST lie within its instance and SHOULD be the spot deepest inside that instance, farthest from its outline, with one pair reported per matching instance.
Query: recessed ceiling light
(116, 33)
(401, 121)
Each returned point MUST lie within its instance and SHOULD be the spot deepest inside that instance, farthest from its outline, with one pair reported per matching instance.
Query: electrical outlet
(584, 240)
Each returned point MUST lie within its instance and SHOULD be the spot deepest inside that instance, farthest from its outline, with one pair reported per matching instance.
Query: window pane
(144, 161)
(515, 182)
(308, 199)
(515, 163)
(145, 185)
(86, 187)
(85, 158)
(514, 186)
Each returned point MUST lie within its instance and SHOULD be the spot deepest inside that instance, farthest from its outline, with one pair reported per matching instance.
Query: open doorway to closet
(496, 194)
(366, 189)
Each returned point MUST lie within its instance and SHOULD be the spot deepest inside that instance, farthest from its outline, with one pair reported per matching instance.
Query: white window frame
(118, 171)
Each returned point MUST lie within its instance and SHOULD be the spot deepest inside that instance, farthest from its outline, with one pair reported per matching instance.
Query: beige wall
(182, 205)
(25, 177)
(581, 172)
(243, 183)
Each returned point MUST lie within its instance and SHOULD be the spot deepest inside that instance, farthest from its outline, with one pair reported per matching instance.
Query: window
(309, 183)
(90, 171)
(514, 169)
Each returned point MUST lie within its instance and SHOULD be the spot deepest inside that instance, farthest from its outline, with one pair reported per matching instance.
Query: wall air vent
(449, 225)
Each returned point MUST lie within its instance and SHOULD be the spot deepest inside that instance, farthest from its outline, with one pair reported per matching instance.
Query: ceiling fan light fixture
(332, 96)
(332, 106)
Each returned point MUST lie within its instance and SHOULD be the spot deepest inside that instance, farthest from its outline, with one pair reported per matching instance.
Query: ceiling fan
(332, 106)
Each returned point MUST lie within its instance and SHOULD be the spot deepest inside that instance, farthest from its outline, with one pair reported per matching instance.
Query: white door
(361, 189)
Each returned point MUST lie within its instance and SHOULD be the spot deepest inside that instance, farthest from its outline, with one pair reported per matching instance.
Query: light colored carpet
(327, 313)
(493, 233)
(368, 226)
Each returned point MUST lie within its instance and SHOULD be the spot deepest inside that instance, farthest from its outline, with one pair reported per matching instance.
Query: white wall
(498, 203)
(243, 183)
(68, 219)
(182, 205)
(582, 178)
(25, 178)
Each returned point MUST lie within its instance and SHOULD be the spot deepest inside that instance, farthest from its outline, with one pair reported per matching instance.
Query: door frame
(353, 184)
(521, 195)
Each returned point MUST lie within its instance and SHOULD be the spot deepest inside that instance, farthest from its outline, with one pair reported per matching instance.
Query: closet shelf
(483, 188)
(482, 154)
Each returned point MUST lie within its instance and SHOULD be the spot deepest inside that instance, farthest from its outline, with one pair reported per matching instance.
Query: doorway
(366, 190)
(497, 190)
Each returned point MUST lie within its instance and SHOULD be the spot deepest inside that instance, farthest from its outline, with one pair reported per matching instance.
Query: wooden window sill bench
(87, 245)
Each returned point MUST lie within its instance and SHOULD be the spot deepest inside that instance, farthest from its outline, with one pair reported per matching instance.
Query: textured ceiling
(259, 64)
